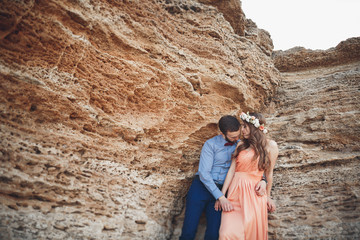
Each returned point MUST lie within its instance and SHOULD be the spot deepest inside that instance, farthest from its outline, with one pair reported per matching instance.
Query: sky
(313, 24)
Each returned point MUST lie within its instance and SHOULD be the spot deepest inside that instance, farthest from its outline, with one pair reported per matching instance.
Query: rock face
(299, 58)
(315, 120)
(106, 104)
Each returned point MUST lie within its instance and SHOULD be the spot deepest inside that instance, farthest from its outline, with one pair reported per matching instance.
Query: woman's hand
(271, 205)
(225, 204)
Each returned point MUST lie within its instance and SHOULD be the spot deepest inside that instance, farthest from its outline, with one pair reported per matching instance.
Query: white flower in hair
(253, 120)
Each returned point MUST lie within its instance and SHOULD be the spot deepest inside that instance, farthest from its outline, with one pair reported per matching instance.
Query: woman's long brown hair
(257, 141)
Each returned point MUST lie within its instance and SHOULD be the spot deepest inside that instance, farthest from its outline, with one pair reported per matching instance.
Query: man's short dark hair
(229, 123)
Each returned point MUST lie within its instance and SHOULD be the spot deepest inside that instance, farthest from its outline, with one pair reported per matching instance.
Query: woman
(245, 215)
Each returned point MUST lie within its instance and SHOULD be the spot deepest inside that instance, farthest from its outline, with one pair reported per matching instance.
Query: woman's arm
(273, 152)
(229, 177)
(223, 203)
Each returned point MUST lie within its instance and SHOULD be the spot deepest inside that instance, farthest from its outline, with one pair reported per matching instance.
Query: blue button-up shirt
(215, 161)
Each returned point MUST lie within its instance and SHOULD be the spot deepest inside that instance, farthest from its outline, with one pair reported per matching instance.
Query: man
(215, 160)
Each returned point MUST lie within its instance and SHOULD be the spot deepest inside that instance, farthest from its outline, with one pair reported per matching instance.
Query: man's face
(232, 136)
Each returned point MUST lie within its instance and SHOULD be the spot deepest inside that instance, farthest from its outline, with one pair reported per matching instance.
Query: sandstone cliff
(315, 120)
(105, 105)
(299, 58)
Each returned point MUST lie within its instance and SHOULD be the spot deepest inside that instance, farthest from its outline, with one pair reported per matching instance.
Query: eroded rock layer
(299, 58)
(104, 106)
(315, 119)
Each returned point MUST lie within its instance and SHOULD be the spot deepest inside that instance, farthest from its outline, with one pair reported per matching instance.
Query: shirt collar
(222, 141)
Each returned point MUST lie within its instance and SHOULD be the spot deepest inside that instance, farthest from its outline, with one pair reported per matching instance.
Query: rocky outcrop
(314, 119)
(260, 36)
(104, 106)
(299, 58)
(233, 13)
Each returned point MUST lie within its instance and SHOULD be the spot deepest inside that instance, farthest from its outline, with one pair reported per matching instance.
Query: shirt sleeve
(206, 163)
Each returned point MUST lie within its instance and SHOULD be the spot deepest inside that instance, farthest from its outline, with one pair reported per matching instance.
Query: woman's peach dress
(249, 220)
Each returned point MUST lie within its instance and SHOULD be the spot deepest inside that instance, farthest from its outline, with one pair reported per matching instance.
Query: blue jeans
(199, 199)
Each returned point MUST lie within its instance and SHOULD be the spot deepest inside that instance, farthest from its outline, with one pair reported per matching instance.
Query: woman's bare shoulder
(271, 145)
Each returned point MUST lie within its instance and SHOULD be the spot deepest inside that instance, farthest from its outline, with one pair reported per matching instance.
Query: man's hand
(225, 204)
(271, 205)
(217, 205)
(260, 188)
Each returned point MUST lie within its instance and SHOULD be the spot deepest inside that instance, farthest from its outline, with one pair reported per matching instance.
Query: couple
(234, 181)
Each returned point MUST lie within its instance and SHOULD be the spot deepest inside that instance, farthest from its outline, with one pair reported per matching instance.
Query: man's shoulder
(214, 139)
(214, 142)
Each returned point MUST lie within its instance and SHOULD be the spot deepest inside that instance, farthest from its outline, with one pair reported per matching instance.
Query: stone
(104, 107)
(300, 59)
(314, 119)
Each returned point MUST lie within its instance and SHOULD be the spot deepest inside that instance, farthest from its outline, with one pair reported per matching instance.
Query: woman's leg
(232, 225)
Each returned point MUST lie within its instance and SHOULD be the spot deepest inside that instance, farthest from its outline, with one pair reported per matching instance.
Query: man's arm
(206, 163)
(260, 187)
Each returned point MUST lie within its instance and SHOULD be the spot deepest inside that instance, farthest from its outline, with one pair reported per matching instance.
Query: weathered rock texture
(315, 120)
(104, 106)
(299, 58)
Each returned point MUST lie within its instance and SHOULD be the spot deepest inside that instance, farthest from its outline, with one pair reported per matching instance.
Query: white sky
(313, 24)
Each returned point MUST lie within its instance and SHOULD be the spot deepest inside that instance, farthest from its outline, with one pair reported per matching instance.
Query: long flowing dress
(249, 219)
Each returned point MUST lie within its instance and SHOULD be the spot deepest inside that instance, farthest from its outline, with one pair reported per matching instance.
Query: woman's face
(245, 130)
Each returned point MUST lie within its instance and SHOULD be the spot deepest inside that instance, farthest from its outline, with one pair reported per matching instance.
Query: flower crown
(253, 120)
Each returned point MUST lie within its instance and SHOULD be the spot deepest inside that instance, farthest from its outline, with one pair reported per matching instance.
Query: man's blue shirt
(215, 161)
